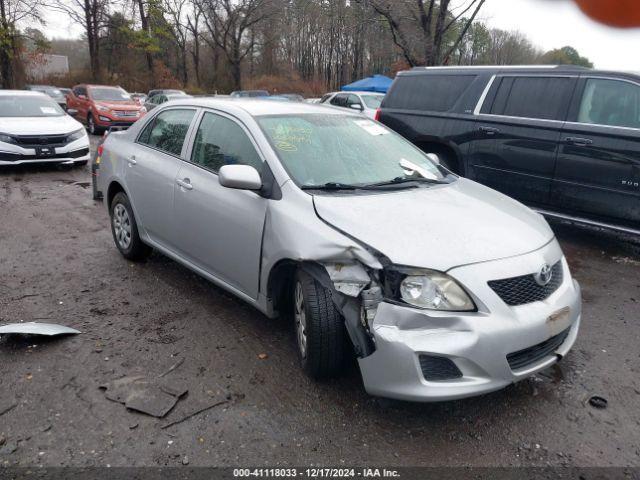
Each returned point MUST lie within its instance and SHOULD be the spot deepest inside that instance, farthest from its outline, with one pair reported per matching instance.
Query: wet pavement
(248, 403)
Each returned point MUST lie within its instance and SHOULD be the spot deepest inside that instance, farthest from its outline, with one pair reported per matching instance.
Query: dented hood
(438, 227)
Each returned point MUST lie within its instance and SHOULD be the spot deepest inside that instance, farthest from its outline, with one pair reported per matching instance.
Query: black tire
(324, 352)
(91, 125)
(133, 249)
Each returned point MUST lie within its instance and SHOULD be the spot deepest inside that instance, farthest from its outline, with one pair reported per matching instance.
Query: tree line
(308, 46)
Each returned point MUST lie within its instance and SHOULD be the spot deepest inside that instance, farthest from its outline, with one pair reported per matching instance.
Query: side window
(428, 92)
(220, 141)
(80, 91)
(610, 102)
(532, 97)
(167, 130)
(325, 97)
(339, 100)
(353, 100)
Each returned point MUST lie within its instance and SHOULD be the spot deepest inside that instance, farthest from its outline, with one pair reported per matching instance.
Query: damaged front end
(356, 293)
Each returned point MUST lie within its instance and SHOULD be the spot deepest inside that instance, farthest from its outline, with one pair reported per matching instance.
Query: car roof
(256, 107)
(24, 93)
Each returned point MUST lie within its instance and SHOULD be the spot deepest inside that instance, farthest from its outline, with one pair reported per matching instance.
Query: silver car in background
(445, 288)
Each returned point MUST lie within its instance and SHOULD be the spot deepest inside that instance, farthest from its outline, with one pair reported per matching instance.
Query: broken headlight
(426, 289)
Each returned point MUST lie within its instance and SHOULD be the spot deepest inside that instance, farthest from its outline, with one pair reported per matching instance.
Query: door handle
(578, 142)
(489, 130)
(185, 183)
(132, 160)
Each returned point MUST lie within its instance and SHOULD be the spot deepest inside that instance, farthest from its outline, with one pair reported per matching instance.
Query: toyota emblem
(544, 276)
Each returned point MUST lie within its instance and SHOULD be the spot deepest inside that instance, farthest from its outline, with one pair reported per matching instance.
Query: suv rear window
(434, 93)
(532, 97)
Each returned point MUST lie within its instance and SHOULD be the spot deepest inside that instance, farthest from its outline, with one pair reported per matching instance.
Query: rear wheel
(320, 330)
(125, 229)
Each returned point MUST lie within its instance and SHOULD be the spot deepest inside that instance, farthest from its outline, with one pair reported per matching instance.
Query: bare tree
(228, 23)
(12, 13)
(179, 31)
(144, 8)
(92, 16)
(193, 26)
(434, 20)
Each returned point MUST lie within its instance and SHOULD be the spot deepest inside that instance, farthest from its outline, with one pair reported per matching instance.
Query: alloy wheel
(122, 226)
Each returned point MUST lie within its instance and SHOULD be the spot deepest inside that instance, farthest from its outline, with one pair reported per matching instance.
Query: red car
(103, 106)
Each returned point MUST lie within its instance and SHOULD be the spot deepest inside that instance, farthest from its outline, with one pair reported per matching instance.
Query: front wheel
(91, 125)
(319, 328)
(125, 229)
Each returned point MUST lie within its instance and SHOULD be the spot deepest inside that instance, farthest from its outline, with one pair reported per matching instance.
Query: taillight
(377, 115)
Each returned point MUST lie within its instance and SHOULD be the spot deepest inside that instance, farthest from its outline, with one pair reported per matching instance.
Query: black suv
(564, 140)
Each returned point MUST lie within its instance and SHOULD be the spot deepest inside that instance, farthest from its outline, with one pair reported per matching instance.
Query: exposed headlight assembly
(102, 108)
(427, 289)
(77, 135)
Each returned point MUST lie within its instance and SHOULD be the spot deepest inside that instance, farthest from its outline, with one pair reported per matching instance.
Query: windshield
(372, 101)
(319, 149)
(52, 92)
(29, 106)
(107, 94)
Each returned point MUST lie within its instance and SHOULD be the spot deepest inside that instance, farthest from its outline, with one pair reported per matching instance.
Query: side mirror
(434, 158)
(72, 112)
(241, 177)
(356, 106)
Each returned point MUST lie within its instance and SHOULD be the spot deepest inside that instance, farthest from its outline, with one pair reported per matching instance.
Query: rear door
(517, 136)
(598, 171)
(152, 167)
(219, 229)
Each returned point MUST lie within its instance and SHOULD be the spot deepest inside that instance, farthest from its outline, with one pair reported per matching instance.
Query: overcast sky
(548, 24)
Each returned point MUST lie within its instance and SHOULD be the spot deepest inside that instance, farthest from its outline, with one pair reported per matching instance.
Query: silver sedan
(445, 288)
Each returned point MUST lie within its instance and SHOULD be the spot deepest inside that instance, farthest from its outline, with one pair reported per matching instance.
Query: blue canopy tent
(375, 83)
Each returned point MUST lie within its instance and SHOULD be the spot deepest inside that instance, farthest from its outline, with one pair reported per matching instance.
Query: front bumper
(476, 342)
(108, 119)
(74, 152)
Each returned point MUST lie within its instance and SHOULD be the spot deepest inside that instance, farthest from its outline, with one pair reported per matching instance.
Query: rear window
(532, 97)
(435, 93)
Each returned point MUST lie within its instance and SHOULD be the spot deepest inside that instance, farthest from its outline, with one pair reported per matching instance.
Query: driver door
(219, 229)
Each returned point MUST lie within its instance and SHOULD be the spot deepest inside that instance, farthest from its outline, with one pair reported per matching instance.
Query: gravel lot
(58, 264)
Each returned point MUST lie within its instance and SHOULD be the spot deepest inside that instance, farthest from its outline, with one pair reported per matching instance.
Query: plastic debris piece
(36, 328)
(145, 395)
(598, 402)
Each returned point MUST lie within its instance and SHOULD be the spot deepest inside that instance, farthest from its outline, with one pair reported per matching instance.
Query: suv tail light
(377, 115)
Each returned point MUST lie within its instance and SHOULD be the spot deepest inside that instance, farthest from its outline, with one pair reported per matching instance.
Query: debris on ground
(172, 368)
(7, 407)
(262, 356)
(193, 414)
(144, 395)
(8, 448)
(37, 328)
(598, 402)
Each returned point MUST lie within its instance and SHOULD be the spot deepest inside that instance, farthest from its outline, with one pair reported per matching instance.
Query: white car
(34, 129)
(364, 102)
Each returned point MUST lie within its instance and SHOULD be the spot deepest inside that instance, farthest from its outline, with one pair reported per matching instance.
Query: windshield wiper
(401, 180)
(330, 186)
